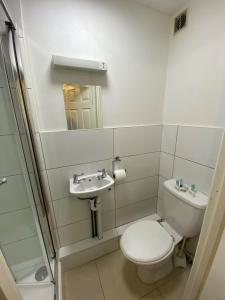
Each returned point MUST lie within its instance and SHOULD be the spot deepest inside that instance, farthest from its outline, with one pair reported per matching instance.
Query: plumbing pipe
(93, 224)
(99, 217)
(96, 209)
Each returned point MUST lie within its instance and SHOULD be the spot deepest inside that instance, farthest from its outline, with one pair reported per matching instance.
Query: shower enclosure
(26, 240)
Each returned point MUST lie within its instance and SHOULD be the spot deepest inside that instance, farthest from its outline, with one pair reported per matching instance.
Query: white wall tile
(160, 197)
(108, 200)
(16, 226)
(160, 210)
(22, 251)
(7, 122)
(137, 140)
(71, 210)
(199, 144)
(136, 191)
(82, 230)
(13, 194)
(74, 232)
(161, 187)
(166, 165)
(135, 211)
(194, 173)
(2, 74)
(140, 166)
(108, 220)
(65, 148)
(25, 62)
(59, 178)
(9, 159)
(169, 136)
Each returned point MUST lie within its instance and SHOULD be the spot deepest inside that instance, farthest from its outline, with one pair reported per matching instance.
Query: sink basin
(90, 186)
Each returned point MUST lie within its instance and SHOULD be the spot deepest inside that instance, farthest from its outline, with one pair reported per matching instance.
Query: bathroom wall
(189, 152)
(88, 151)
(195, 89)
(131, 38)
(150, 154)
(133, 94)
(14, 6)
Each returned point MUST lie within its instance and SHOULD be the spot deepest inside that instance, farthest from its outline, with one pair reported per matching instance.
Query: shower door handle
(3, 180)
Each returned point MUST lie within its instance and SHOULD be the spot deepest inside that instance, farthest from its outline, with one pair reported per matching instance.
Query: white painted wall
(14, 7)
(195, 89)
(214, 287)
(130, 37)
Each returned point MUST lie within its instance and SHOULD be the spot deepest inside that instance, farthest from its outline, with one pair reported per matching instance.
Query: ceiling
(165, 6)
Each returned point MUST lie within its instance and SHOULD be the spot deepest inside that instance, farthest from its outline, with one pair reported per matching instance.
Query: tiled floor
(112, 277)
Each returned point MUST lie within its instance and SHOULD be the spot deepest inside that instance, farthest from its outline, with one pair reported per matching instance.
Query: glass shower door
(25, 237)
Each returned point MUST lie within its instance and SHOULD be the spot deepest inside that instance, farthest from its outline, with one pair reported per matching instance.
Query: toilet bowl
(150, 247)
(150, 244)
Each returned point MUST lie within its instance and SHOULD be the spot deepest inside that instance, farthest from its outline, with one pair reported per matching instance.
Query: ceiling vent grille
(180, 21)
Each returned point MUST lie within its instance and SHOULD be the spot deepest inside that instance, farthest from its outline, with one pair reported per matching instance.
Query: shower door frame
(29, 131)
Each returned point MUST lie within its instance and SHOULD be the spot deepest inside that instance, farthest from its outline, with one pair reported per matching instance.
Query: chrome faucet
(103, 173)
(76, 178)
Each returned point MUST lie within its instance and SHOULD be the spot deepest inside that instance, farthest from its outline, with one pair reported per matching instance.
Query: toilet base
(153, 273)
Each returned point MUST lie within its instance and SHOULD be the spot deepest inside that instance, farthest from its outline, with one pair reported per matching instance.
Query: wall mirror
(82, 106)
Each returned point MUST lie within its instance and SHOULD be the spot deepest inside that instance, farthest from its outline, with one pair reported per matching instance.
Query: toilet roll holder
(117, 159)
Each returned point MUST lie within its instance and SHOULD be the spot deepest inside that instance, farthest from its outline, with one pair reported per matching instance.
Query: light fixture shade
(80, 64)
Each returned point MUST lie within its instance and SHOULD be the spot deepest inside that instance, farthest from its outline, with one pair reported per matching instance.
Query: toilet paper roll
(119, 175)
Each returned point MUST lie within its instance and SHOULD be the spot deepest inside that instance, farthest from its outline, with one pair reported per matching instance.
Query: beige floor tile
(119, 278)
(173, 289)
(83, 283)
(172, 275)
(155, 295)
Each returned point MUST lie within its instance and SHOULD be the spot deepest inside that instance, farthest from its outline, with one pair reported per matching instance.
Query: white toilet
(150, 244)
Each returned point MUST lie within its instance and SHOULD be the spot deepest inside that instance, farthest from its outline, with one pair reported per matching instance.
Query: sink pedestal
(96, 217)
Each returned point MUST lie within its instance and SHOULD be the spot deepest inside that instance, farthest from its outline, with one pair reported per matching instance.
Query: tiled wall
(150, 154)
(69, 152)
(190, 153)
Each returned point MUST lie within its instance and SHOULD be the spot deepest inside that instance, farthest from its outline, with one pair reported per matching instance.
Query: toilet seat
(146, 242)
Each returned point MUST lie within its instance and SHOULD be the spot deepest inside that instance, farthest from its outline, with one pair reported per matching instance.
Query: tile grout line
(136, 202)
(99, 278)
(101, 160)
(20, 240)
(148, 293)
(197, 163)
(114, 186)
(14, 211)
(161, 295)
(174, 155)
(117, 184)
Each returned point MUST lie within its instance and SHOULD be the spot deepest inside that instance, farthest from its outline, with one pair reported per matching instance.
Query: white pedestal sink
(90, 187)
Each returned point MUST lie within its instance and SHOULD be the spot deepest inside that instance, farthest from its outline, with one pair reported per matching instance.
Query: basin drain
(41, 274)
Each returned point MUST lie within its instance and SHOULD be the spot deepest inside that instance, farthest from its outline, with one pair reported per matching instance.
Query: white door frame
(212, 229)
(8, 288)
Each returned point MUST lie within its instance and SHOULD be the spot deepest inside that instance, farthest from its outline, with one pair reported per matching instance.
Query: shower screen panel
(25, 235)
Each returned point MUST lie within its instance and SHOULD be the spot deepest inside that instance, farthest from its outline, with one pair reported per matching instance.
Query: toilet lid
(146, 241)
